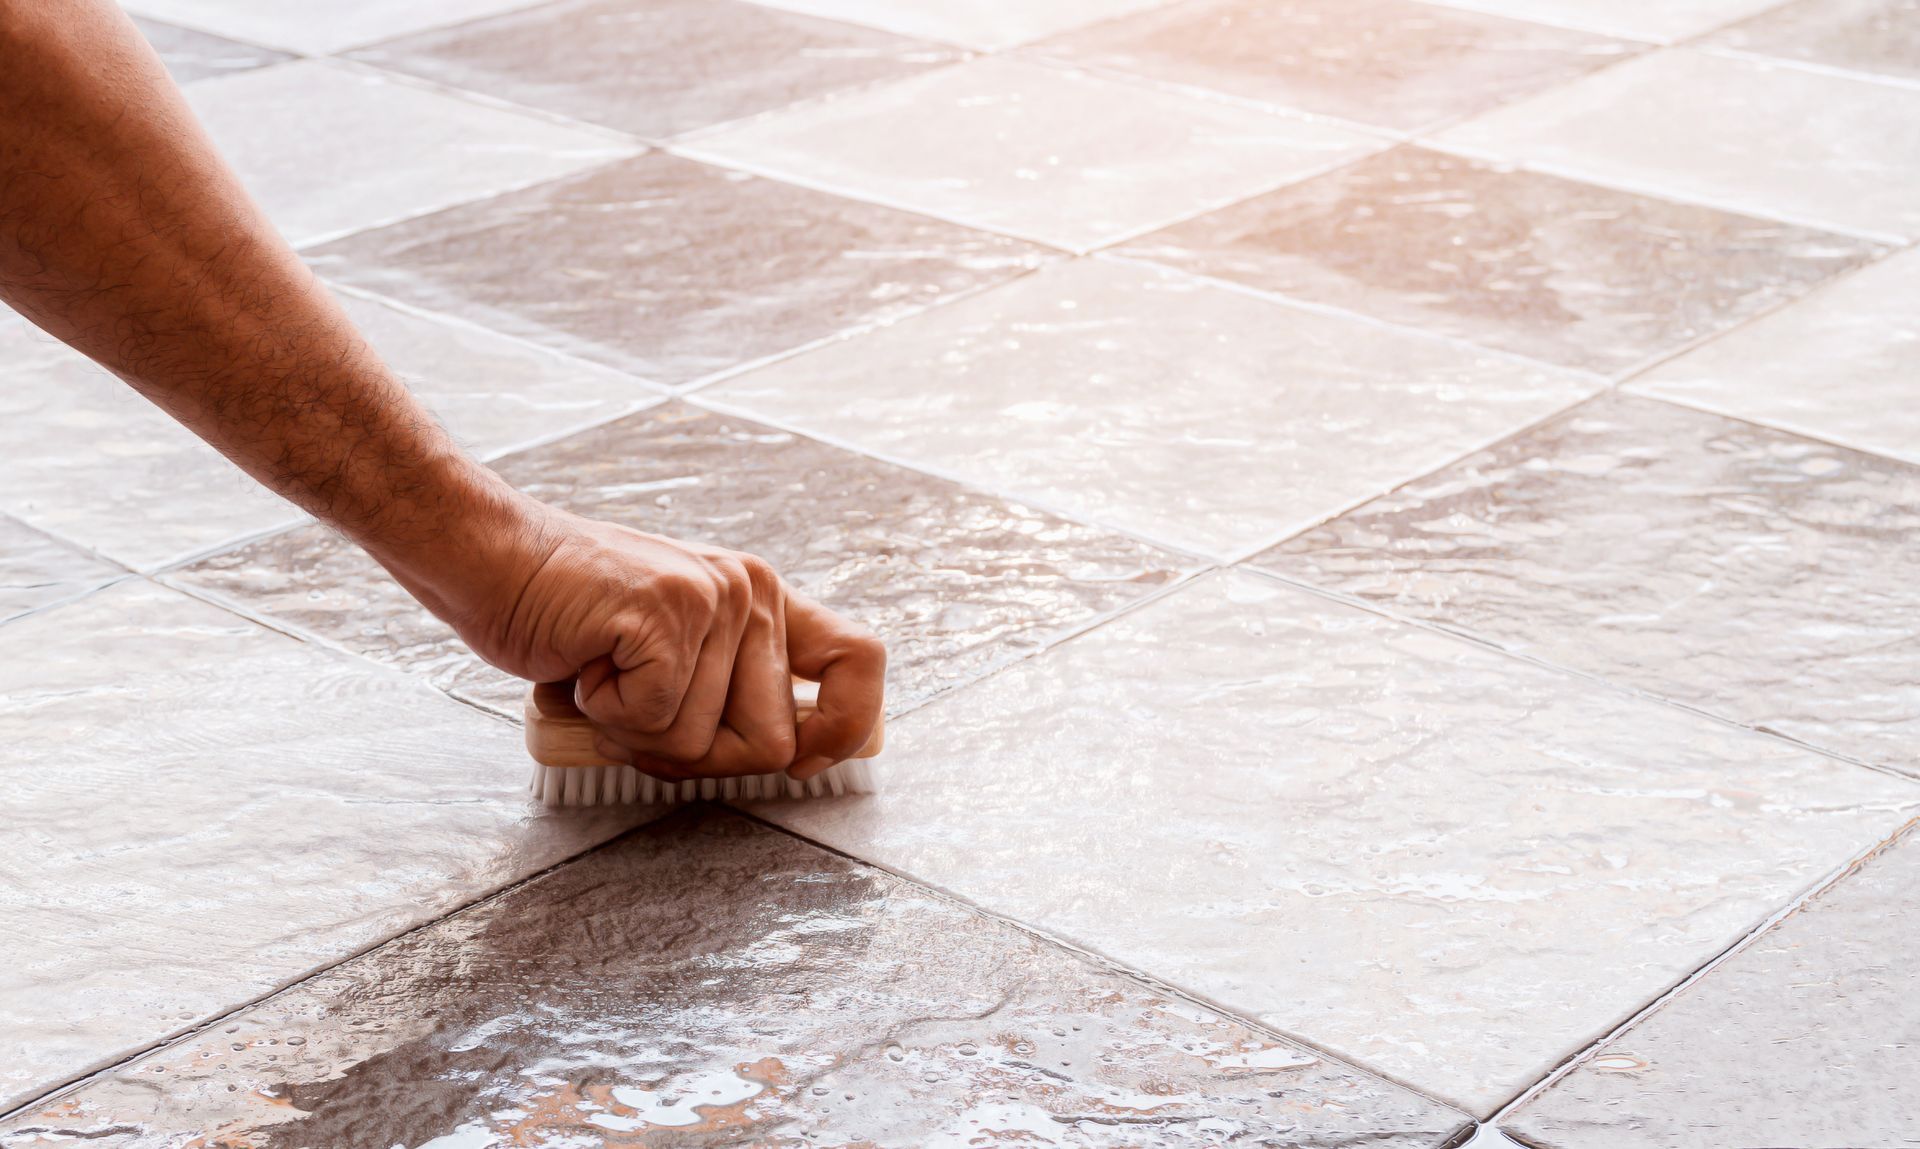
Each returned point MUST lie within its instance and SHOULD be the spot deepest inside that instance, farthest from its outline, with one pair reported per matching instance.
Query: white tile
(1661, 21)
(330, 149)
(975, 23)
(1843, 364)
(1450, 865)
(1143, 399)
(200, 810)
(1061, 157)
(318, 28)
(1758, 137)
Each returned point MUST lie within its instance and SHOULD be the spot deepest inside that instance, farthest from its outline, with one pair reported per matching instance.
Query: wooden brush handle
(559, 735)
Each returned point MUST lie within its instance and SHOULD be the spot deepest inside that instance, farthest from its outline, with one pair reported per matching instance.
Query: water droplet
(895, 1053)
(296, 1041)
(967, 1049)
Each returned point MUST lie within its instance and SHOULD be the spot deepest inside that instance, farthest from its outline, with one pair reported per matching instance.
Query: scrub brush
(568, 772)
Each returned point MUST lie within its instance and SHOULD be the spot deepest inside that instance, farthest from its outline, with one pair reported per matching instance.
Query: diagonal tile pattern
(1878, 36)
(1388, 842)
(294, 24)
(975, 23)
(1661, 21)
(1178, 410)
(37, 571)
(712, 268)
(201, 811)
(191, 55)
(1747, 572)
(707, 982)
(1541, 266)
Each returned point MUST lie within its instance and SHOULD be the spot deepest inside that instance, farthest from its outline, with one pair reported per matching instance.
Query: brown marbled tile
(1558, 270)
(671, 269)
(191, 55)
(1750, 573)
(656, 67)
(711, 982)
(38, 570)
(1880, 36)
(1393, 63)
(956, 581)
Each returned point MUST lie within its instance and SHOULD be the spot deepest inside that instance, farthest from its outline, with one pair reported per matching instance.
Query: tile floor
(1393, 523)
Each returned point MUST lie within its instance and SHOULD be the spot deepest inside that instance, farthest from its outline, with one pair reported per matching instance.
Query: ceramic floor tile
(707, 982)
(343, 24)
(1441, 861)
(330, 149)
(1880, 36)
(1541, 266)
(976, 23)
(1805, 1038)
(1136, 397)
(1392, 63)
(37, 571)
(1661, 21)
(1742, 133)
(1750, 573)
(712, 269)
(200, 809)
(1065, 158)
(1841, 365)
(191, 55)
(957, 582)
(656, 67)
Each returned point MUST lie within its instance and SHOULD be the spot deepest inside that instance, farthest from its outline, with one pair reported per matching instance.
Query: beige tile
(1068, 159)
(1661, 21)
(1448, 864)
(202, 810)
(955, 581)
(330, 149)
(1546, 267)
(37, 571)
(709, 981)
(656, 67)
(298, 25)
(1140, 398)
(976, 23)
(1397, 64)
(1740, 133)
(1758, 576)
(191, 55)
(1842, 365)
(1881, 36)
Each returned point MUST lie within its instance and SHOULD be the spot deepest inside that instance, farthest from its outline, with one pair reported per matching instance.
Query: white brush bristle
(624, 786)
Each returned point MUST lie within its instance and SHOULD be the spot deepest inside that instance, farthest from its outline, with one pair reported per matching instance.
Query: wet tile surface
(1392, 63)
(1541, 266)
(656, 67)
(710, 982)
(1881, 36)
(1661, 21)
(295, 24)
(1839, 365)
(1803, 1038)
(957, 582)
(201, 810)
(191, 55)
(1068, 159)
(1388, 842)
(1810, 147)
(388, 150)
(975, 23)
(1133, 396)
(713, 268)
(37, 571)
(1750, 573)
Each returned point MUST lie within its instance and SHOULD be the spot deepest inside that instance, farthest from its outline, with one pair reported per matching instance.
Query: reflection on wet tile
(37, 571)
(1065, 158)
(1395, 63)
(1657, 20)
(656, 67)
(1840, 365)
(1864, 35)
(297, 25)
(330, 149)
(1133, 396)
(1750, 573)
(709, 981)
(1441, 861)
(191, 55)
(1806, 1037)
(1759, 137)
(976, 23)
(200, 810)
(713, 268)
(956, 582)
(1534, 264)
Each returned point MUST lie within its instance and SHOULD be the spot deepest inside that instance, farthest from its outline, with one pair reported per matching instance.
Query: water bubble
(967, 1049)
(895, 1053)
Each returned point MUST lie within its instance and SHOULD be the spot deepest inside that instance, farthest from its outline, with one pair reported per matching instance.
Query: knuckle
(688, 745)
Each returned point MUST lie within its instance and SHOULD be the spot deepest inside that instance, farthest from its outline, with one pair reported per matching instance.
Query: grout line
(547, 439)
(1813, 67)
(1556, 22)
(479, 99)
(1780, 428)
(390, 38)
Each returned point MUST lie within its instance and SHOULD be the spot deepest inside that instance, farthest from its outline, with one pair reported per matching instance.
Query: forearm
(124, 234)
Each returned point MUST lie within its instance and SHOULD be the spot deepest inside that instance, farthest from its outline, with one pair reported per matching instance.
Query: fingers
(850, 665)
